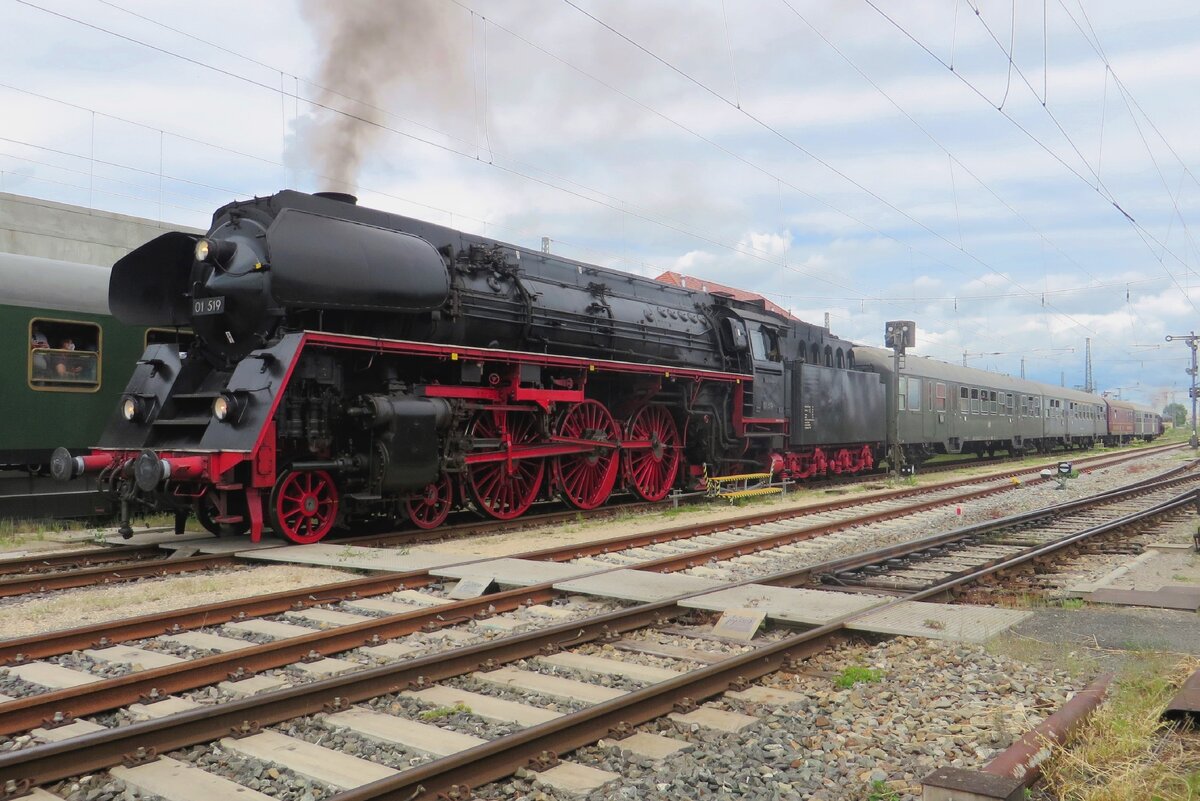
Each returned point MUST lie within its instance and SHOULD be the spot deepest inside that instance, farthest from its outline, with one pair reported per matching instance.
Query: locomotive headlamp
(216, 251)
(131, 410)
(228, 407)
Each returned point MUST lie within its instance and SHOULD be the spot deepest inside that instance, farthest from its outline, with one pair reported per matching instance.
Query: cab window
(64, 355)
(758, 344)
(169, 336)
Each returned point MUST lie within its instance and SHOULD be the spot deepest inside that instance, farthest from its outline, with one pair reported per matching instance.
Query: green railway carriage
(65, 362)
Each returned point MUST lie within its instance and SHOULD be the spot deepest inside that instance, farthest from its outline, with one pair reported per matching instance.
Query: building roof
(704, 285)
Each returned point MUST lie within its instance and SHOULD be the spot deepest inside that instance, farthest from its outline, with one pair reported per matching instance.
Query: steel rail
(90, 557)
(91, 576)
(50, 762)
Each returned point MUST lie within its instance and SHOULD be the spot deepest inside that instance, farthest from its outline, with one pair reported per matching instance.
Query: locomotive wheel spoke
(587, 479)
(502, 489)
(651, 471)
(304, 505)
(430, 508)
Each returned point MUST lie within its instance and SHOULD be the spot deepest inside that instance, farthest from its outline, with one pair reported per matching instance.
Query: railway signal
(1192, 342)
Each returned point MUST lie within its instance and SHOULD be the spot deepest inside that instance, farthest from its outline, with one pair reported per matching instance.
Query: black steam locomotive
(352, 364)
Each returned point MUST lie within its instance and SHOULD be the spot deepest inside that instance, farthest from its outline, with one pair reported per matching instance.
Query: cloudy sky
(869, 159)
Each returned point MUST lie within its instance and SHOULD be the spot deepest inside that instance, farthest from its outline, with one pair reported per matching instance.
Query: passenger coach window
(902, 397)
(64, 356)
(939, 397)
(914, 395)
(964, 405)
(974, 401)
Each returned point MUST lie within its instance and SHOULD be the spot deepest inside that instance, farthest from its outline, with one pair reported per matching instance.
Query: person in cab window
(41, 366)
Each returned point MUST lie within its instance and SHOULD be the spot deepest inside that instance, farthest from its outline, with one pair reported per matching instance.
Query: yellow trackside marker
(453, 356)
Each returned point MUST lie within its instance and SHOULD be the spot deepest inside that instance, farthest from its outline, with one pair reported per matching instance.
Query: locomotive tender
(349, 364)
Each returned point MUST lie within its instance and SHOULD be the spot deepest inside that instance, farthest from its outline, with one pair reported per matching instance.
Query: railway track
(756, 531)
(338, 699)
(83, 568)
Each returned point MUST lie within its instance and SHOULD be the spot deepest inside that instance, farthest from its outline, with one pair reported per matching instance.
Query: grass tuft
(444, 711)
(856, 674)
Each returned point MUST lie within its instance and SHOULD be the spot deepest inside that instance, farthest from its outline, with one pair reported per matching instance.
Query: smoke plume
(408, 55)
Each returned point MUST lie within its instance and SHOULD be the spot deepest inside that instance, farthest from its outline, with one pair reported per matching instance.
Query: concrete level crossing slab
(355, 558)
(225, 545)
(136, 658)
(48, 674)
(510, 572)
(610, 667)
(203, 641)
(573, 779)
(173, 780)
(940, 621)
(485, 706)
(171, 705)
(274, 629)
(415, 736)
(814, 607)
(326, 618)
(638, 585)
(552, 686)
(650, 746)
(718, 719)
(71, 730)
(311, 761)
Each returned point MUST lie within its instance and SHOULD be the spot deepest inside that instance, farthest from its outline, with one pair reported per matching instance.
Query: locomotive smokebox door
(900, 334)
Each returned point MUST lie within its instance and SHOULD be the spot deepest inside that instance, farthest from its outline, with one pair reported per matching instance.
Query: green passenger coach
(64, 362)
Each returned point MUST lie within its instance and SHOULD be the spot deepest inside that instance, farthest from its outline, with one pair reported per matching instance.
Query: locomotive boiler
(351, 364)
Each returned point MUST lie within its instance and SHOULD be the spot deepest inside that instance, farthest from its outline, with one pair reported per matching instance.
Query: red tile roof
(704, 285)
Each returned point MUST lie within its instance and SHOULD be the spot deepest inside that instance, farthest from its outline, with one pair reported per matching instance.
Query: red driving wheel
(652, 453)
(430, 507)
(304, 505)
(505, 488)
(586, 479)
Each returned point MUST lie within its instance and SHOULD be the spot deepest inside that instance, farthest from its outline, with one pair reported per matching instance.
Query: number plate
(202, 306)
